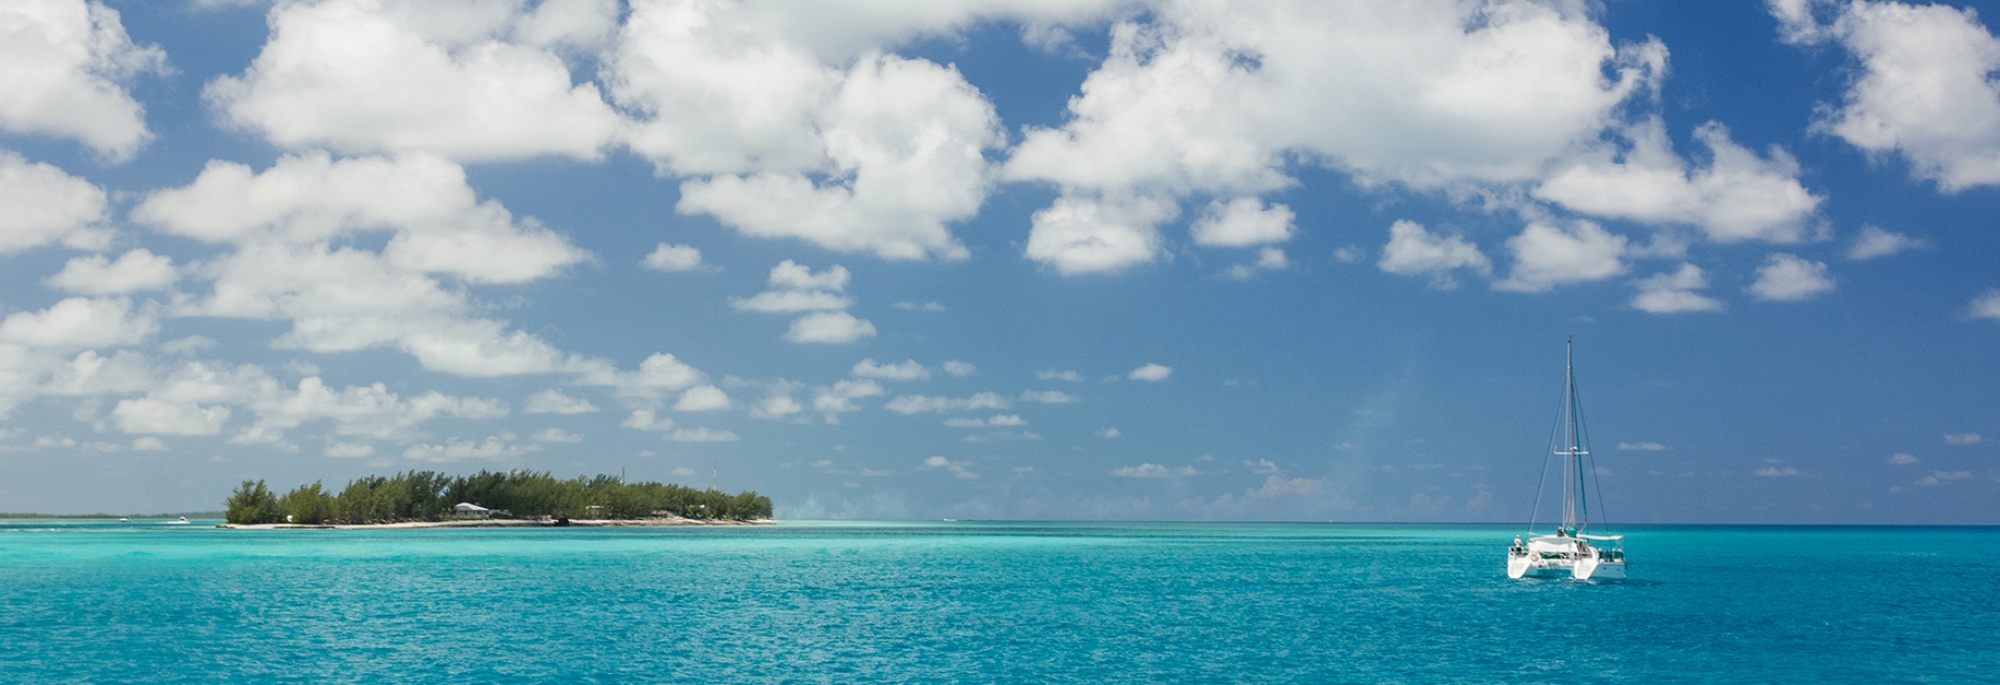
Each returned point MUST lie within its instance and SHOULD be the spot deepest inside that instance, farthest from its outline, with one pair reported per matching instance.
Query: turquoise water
(987, 603)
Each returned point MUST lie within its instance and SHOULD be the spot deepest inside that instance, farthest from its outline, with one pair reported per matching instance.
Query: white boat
(1571, 551)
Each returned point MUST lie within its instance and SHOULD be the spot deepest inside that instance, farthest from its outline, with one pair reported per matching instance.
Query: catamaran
(1570, 552)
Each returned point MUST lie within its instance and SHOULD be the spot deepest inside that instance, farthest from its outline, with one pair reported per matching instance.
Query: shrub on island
(431, 496)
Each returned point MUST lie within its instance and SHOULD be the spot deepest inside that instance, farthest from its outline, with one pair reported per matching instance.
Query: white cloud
(998, 420)
(456, 449)
(553, 401)
(370, 411)
(1964, 438)
(1789, 278)
(957, 468)
(89, 373)
(839, 398)
(438, 223)
(463, 80)
(903, 140)
(135, 271)
(673, 258)
(1080, 235)
(556, 435)
(1777, 471)
(1875, 242)
(148, 415)
(1151, 470)
(1924, 89)
(1048, 397)
(1942, 477)
(784, 301)
(833, 328)
(1546, 256)
(80, 322)
(1262, 466)
(149, 444)
(62, 65)
(925, 307)
(1277, 485)
(918, 404)
(777, 406)
(701, 434)
(188, 345)
(1268, 259)
(1674, 293)
(1243, 222)
(1986, 305)
(646, 420)
(1642, 446)
(1903, 458)
(348, 450)
(1217, 98)
(1736, 197)
(907, 370)
(958, 368)
(1150, 372)
(1413, 251)
(703, 398)
(1054, 375)
(1108, 433)
(41, 204)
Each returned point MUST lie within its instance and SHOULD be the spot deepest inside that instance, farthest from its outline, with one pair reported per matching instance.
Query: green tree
(253, 503)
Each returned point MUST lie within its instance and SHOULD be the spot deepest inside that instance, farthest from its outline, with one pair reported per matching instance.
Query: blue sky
(985, 259)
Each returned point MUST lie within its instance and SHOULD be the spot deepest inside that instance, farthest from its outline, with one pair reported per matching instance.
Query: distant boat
(124, 519)
(1570, 552)
(181, 522)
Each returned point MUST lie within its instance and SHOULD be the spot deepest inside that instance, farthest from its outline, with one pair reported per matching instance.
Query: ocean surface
(105, 602)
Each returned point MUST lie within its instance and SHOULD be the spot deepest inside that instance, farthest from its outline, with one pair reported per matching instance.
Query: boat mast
(1576, 500)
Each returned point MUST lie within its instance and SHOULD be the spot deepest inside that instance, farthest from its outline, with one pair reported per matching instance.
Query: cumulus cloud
(1151, 470)
(673, 258)
(1150, 372)
(472, 82)
(920, 404)
(1054, 375)
(832, 328)
(959, 369)
(457, 449)
(839, 398)
(1986, 305)
(1413, 251)
(1216, 98)
(1789, 278)
(1048, 397)
(135, 271)
(1923, 90)
(553, 401)
(1642, 446)
(148, 415)
(63, 66)
(1546, 256)
(42, 205)
(556, 435)
(1903, 458)
(957, 468)
(703, 398)
(701, 434)
(1964, 438)
(1874, 242)
(1777, 471)
(284, 224)
(80, 322)
(1735, 197)
(1674, 293)
(1943, 477)
(907, 370)
(1243, 222)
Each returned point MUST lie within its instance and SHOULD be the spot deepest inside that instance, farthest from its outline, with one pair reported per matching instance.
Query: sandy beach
(501, 523)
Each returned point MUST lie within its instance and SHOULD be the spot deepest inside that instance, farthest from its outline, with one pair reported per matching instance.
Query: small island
(427, 499)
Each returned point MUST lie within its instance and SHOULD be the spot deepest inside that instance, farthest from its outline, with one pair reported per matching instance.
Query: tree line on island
(432, 496)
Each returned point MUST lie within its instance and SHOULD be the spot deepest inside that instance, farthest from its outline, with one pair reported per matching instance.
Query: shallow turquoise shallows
(987, 603)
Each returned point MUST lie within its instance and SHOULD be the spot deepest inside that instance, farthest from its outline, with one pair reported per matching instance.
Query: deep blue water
(988, 603)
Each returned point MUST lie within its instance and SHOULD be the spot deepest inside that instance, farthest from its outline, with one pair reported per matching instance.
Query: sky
(1010, 259)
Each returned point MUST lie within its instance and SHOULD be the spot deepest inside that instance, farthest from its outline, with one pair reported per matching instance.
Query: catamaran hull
(1522, 567)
